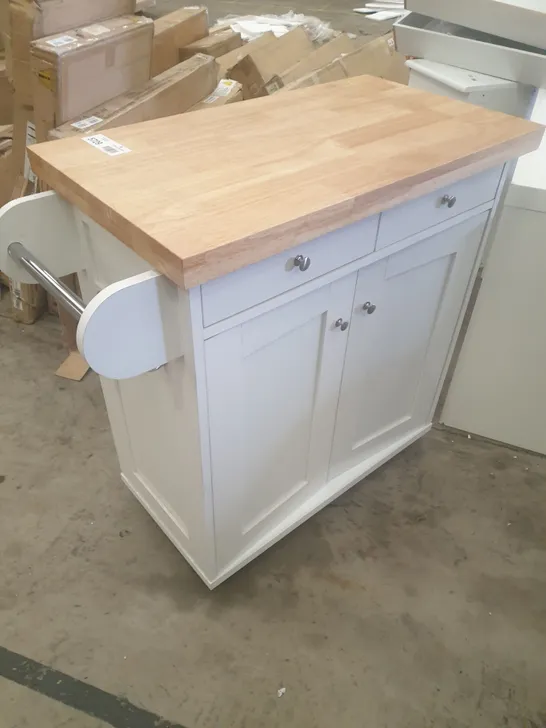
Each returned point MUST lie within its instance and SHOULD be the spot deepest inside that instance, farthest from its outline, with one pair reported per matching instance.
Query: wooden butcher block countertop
(206, 193)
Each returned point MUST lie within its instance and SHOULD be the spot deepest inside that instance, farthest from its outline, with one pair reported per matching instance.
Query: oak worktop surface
(202, 194)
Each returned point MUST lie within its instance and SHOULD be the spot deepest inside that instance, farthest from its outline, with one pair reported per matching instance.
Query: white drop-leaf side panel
(46, 226)
(273, 385)
(395, 356)
(127, 329)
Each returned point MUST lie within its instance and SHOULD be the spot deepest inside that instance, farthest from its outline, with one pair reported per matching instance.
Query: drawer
(424, 37)
(238, 291)
(418, 215)
(497, 94)
(507, 19)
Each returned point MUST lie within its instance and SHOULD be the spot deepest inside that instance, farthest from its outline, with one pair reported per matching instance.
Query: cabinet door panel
(396, 355)
(273, 387)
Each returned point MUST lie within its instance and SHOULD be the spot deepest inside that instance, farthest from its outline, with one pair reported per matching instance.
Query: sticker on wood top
(106, 145)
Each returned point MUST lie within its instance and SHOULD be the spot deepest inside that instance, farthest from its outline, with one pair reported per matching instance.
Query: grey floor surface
(416, 600)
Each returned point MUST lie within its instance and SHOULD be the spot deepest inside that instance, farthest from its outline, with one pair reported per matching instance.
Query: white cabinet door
(273, 388)
(404, 318)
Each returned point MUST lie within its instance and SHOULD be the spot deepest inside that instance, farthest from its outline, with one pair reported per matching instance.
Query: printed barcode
(106, 145)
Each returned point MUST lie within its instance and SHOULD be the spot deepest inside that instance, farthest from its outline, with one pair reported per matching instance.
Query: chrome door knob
(302, 262)
(369, 307)
(341, 324)
(448, 200)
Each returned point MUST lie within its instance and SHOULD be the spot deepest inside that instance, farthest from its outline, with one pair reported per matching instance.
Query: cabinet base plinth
(173, 528)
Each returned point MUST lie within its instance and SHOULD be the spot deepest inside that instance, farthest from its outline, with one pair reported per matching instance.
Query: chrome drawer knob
(302, 262)
(448, 200)
(341, 324)
(369, 307)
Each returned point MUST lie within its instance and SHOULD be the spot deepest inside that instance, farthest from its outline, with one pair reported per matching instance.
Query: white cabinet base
(176, 531)
(247, 426)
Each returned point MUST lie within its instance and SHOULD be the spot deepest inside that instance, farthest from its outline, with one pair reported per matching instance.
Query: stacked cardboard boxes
(26, 21)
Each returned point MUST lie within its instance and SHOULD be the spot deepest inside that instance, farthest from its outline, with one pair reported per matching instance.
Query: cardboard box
(76, 71)
(175, 30)
(24, 133)
(33, 19)
(227, 92)
(216, 44)
(332, 72)
(260, 70)
(378, 58)
(172, 92)
(6, 177)
(321, 57)
(4, 22)
(231, 59)
(28, 300)
(6, 96)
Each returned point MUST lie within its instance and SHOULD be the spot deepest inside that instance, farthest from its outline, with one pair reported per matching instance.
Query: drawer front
(238, 291)
(423, 37)
(441, 205)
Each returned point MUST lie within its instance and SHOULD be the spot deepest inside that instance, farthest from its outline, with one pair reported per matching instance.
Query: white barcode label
(273, 86)
(61, 41)
(95, 30)
(86, 123)
(106, 145)
(223, 89)
(30, 139)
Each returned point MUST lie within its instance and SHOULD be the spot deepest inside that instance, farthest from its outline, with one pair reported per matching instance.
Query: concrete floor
(416, 600)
